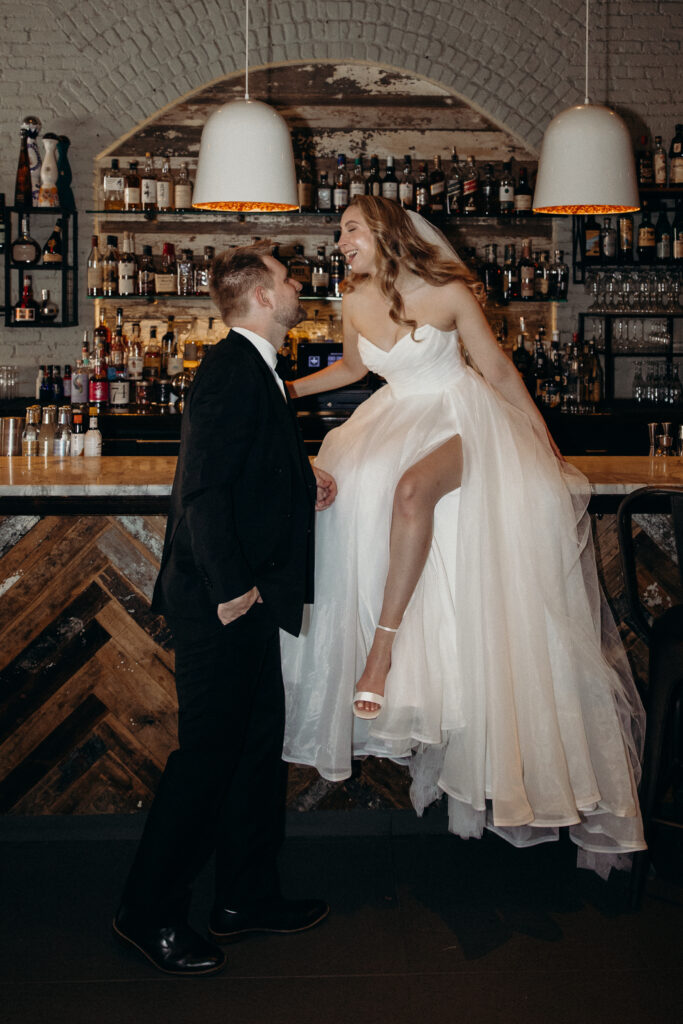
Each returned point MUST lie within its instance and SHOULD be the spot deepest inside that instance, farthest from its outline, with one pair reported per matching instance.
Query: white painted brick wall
(92, 71)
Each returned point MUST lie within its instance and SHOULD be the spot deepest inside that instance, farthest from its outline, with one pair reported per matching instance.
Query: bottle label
(324, 198)
(305, 194)
(174, 364)
(390, 190)
(165, 284)
(664, 248)
(77, 444)
(469, 186)
(376, 188)
(357, 188)
(676, 170)
(300, 272)
(436, 188)
(79, 387)
(52, 257)
(506, 194)
(22, 253)
(406, 192)
(113, 183)
(320, 278)
(149, 190)
(542, 285)
(341, 197)
(526, 282)
(646, 237)
(135, 367)
(131, 197)
(592, 249)
(24, 313)
(98, 390)
(522, 203)
(119, 392)
(660, 169)
(165, 193)
(183, 196)
(678, 248)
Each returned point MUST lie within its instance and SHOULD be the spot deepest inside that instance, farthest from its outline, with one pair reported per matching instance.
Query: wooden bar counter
(87, 697)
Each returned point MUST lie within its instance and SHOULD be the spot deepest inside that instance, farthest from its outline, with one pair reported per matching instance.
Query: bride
(458, 623)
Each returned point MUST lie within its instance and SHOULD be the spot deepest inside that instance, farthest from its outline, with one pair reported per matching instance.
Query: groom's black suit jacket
(242, 505)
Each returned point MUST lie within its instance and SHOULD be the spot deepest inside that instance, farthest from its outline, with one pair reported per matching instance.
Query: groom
(236, 566)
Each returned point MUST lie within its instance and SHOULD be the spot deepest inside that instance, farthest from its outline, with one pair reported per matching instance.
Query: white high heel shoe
(367, 695)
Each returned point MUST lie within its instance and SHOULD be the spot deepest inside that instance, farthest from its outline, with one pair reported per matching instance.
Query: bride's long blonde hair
(400, 247)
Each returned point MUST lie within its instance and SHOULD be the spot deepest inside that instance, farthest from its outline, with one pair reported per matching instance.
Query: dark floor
(423, 927)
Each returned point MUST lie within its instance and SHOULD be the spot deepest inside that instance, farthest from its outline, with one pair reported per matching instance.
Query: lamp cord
(586, 100)
(246, 56)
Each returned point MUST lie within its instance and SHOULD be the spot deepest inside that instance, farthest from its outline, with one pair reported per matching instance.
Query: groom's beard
(289, 318)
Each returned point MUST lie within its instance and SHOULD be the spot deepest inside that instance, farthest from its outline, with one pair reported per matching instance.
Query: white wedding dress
(509, 688)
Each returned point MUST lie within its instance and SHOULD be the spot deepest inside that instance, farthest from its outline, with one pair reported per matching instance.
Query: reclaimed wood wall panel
(87, 696)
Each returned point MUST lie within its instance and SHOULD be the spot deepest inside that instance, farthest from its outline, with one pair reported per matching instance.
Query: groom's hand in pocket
(228, 611)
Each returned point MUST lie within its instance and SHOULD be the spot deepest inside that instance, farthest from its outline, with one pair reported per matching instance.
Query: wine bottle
(23, 189)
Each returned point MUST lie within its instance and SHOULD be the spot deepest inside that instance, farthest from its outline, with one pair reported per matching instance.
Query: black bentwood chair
(662, 765)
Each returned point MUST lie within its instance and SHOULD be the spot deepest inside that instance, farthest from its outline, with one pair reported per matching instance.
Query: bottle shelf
(635, 314)
(313, 215)
(149, 299)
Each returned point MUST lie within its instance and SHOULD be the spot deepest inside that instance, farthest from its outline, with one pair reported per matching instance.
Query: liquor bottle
(574, 386)
(323, 195)
(127, 267)
(183, 189)
(49, 310)
(77, 435)
(52, 250)
(45, 394)
(340, 194)
(101, 336)
(506, 191)
(523, 196)
(48, 195)
(527, 273)
(521, 356)
(374, 182)
(116, 357)
(422, 191)
(113, 185)
(23, 188)
(320, 274)
(540, 367)
(80, 379)
(26, 309)
(647, 241)
(94, 274)
(608, 241)
(542, 278)
(92, 442)
(146, 273)
(25, 251)
(29, 437)
(489, 193)
(39, 381)
(509, 276)
(168, 339)
(165, 282)
(174, 360)
(390, 181)
(185, 273)
(61, 444)
(454, 187)
(470, 189)
(98, 390)
(659, 163)
(132, 197)
(119, 385)
(625, 238)
(67, 380)
(304, 186)
(337, 268)
(3, 229)
(591, 248)
(646, 178)
(406, 187)
(559, 278)
(148, 184)
(110, 268)
(491, 273)
(676, 157)
(300, 270)
(595, 376)
(677, 234)
(437, 192)
(165, 187)
(202, 277)
(46, 432)
(663, 237)
(151, 363)
(135, 356)
(357, 185)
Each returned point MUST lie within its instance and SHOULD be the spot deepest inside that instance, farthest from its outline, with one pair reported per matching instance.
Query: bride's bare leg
(412, 524)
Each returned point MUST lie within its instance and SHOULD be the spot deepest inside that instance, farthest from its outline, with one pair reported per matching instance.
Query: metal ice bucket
(11, 429)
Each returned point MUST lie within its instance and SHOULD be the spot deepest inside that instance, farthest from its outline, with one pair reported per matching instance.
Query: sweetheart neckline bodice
(408, 334)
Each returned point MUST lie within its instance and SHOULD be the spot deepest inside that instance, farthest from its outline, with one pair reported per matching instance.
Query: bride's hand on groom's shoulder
(327, 489)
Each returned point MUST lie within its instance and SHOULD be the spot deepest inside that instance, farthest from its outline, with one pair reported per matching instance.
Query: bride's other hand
(327, 489)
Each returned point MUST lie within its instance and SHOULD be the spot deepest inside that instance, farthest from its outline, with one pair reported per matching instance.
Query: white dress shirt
(266, 351)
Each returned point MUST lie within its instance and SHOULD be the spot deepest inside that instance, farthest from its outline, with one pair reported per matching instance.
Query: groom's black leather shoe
(173, 949)
(282, 917)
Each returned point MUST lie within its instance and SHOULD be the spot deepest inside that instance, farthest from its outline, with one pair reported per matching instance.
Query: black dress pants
(223, 789)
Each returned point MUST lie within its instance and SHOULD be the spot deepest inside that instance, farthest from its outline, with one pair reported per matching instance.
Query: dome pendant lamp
(586, 163)
(245, 160)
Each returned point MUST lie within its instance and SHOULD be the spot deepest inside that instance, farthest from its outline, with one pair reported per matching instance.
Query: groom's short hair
(234, 273)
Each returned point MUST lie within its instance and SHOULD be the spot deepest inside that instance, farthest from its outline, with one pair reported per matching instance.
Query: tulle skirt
(509, 688)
